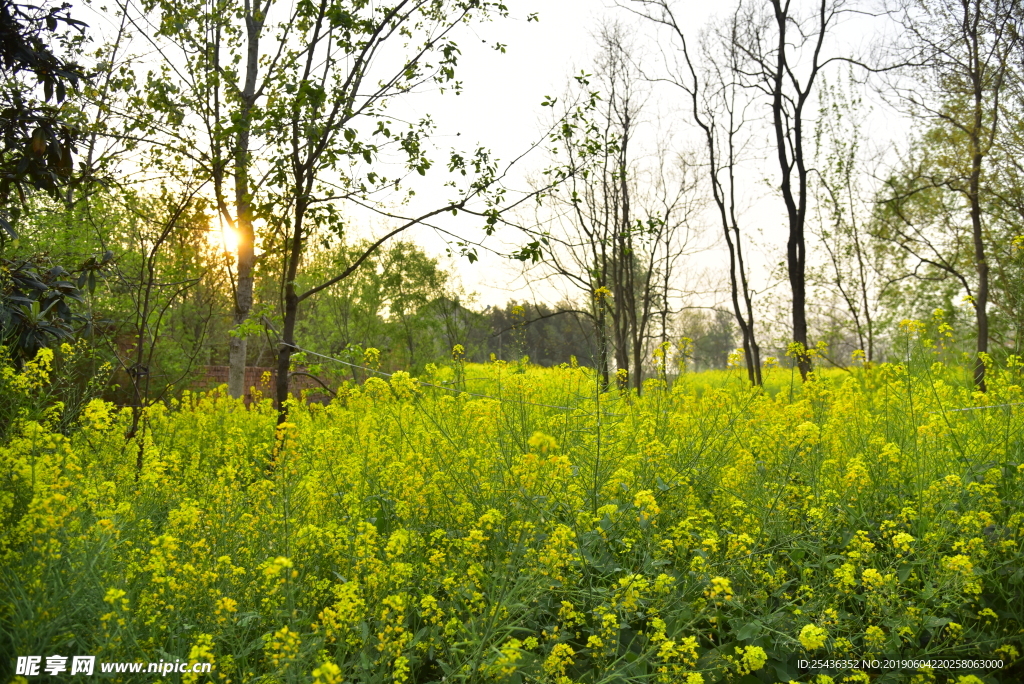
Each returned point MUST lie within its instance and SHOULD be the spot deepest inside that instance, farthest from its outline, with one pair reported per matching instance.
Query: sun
(225, 239)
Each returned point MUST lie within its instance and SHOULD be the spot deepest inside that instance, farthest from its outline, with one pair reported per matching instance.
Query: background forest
(196, 189)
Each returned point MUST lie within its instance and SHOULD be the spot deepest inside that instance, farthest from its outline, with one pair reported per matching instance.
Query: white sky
(500, 108)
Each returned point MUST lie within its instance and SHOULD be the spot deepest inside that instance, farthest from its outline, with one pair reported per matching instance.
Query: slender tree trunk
(621, 351)
(862, 271)
(619, 324)
(601, 328)
(980, 260)
(738, 283)
(638, 367)
(625, 255)
(754, 349)
(789, 141)
(725, 199)
(636, 319)
(291, 310)
(237, 345)
(749, 345)
(795, 260)
(284, 353)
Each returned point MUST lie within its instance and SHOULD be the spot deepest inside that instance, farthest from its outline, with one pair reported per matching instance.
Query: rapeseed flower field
(699, 532)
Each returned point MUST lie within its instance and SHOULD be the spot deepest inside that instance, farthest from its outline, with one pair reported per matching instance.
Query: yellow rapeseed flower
(813, 637)
(720, 587)
(327, 673)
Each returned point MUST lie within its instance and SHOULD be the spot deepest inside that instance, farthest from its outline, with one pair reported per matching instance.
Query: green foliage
(924, 229)
(151, 299)
(37, 293)
(948, 210)
(36, 299)
(712, 336)
(548, 335)
(37, 141)
(400, 301)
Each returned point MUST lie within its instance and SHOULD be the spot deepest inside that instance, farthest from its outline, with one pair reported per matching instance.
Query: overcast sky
(500, 108)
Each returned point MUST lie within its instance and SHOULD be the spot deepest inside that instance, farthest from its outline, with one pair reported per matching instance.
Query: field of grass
(700, 533)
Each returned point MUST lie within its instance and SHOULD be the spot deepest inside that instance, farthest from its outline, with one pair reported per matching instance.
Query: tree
(784, 59)
(621, 226)
(547, 335)
(711, 336)
(383, 304)
(290, 102)
(457, 323)
(719, 109)
(842, 216)
(166, 258)
(37, 142)
(36, 294)
(1007, 247)
(963, 52)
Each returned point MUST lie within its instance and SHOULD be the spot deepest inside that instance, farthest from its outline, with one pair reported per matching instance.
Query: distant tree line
(191, 186)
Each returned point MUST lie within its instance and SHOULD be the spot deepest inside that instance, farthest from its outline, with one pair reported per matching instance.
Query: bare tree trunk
(602, 341)
(980, 261)
(789, 147)
(978, 74)
(291, 310)
(796, 262)
(712, 93)
(285, 351)
(237, 345)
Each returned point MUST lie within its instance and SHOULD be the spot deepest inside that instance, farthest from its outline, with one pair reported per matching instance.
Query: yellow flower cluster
(813, 637)
(566, 532)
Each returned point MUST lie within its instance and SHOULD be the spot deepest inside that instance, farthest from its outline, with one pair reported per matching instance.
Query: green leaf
(8, 228)
(750, 631)
(784, 671)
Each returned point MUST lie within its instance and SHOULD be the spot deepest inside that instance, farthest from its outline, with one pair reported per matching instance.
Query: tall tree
(965, 54)
(850, 271)
(710, 78)
(166, 260)
(282, 109)
(380, 305)
(622, 225)
(784, 55)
